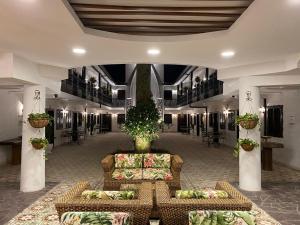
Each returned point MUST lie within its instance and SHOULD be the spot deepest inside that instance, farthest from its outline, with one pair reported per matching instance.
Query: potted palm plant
(142, 124)
(39, 120)
(247, 144)
(39, 143)
(248, 121)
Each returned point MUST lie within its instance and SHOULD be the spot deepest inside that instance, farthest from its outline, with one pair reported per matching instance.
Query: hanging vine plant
(39, 143)
(247, 121)
(246, 144)
(39, 120)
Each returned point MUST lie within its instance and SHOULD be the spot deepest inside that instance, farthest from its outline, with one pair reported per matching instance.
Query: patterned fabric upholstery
(123, 161)
(157, 174)
(93, 218)
(127, 174)
(222, 217)
(155, 160)
(207, 193)
(109, 195)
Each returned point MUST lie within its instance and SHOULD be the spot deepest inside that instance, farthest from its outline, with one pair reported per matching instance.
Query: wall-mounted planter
(39, 143)
(248, 124)
(39, 120)
(248, 147)
(246, 144)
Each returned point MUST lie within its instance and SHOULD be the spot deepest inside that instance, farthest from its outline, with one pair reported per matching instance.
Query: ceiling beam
(163, 8)
(156, 13)
(121, 20)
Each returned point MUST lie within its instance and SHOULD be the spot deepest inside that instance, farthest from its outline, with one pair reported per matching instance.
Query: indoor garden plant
(246, 144)
(142, 124)
(39, 143)
(248, 121)
(39, 120)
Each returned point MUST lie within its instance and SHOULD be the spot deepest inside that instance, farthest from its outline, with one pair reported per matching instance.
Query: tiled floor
(203, 167)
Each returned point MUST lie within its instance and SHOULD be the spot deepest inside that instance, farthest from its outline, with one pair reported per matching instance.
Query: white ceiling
(45, 31)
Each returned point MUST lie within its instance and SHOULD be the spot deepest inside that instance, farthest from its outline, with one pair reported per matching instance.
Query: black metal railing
(87, 91)
(200, 92)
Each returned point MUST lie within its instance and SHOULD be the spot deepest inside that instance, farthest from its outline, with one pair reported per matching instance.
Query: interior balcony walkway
(203, 167)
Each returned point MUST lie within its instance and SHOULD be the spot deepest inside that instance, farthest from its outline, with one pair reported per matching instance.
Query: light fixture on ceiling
(228, 54)
(79, 51)
(153, 51)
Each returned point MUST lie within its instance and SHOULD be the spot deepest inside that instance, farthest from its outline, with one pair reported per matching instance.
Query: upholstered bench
(174, 209)
(112, 218)
(82, 198)
(136, 168)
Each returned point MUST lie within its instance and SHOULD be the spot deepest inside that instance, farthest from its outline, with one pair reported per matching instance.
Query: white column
(249, 162)
(33, 162)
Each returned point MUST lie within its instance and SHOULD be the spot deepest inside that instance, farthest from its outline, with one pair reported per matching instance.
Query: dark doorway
(182, 125)
(75, 127)
(198, 124)
(49, 132)
(215, 126)
(106, 122)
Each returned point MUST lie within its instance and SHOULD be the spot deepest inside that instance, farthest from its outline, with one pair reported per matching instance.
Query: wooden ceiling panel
(166, 18)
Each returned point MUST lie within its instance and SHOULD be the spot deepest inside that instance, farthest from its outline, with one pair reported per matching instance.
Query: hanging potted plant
(92, 80)
(248, 121)
(39, 120)
(39, 143)
(246, 144)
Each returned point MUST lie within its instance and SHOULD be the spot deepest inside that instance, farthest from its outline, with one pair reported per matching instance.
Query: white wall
(290, 154)
(10, 122)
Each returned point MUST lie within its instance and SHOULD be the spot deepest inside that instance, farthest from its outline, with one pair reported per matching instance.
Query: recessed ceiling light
(79, 51)
(153, 51)
(227, 54)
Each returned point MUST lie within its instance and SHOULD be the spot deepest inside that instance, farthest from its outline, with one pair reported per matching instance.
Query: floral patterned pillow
(156, 160)
(222, 217)
(89, 218)
(201, 194)
(108, 195)
(128, 160)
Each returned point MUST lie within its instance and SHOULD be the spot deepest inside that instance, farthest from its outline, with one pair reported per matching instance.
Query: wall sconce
(114, 92)
(65, 111)
(206, 114)
(97, 87)
(262, 109)
(226, 112)
(84, 113)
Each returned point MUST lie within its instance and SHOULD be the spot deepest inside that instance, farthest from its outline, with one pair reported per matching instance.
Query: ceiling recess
(159, 18)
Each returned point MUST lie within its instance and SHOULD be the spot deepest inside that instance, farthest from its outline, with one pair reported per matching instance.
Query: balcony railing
(87, 91)
(201, 92)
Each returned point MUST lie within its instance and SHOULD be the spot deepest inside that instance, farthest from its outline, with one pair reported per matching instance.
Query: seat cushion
(157, 174)
(222, 217)
(156, 160)
(207, 193)
(91, 218)
(127, 174)
(108, 195)
(131, 161)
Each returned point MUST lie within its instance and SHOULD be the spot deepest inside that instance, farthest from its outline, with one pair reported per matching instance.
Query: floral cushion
(110, 195)
(95, 218)
(127, 174)
(128, 160)
(222, 217)
(152, 160)
(157, 174)
(201, 194)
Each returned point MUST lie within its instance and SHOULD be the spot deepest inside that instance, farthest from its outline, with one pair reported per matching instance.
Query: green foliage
(41, 141)
(96, 219)
(246, 117)
(142, 121)
(240, 142)
(40, 116)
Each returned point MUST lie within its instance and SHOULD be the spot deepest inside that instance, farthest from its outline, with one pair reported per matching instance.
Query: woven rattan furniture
(175, 211)
(139, 209)
(108, 166)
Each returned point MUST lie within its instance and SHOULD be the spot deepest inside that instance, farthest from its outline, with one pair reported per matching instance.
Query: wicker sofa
(139, 209)
(141, 167)
(175, 211)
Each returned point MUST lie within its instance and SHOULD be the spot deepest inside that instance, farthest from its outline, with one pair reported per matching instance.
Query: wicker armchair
(139, 209)
(175, 211)
(108, 166)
